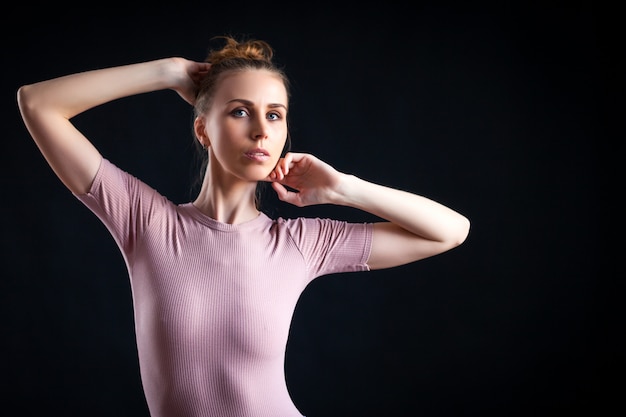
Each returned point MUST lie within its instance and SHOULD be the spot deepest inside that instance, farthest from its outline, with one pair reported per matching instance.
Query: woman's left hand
(315, 181)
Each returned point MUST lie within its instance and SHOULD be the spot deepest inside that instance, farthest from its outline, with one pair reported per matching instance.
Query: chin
(258, 174)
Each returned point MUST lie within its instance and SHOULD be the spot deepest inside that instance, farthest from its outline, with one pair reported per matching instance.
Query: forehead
(257, 86)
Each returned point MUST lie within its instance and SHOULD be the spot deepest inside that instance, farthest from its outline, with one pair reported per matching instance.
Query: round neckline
(198, 215)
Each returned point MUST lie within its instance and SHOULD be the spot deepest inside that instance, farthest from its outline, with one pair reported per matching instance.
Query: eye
(239, 112)
(274, 116)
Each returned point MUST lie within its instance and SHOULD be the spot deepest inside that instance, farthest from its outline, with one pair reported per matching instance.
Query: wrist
(170, 72)
(347, 190)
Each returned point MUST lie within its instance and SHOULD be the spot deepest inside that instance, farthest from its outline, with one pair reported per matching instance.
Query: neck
(227, 201)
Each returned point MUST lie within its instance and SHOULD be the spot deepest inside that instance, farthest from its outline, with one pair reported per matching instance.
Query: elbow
(456, 234)
(23, 100)
(462, 231)
(22, 95)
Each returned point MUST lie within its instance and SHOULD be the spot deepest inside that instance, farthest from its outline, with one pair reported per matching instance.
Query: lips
(258, 154)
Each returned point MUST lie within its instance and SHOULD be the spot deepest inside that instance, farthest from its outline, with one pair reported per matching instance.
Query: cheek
(230, 128)
(226, 135)
(281, 137)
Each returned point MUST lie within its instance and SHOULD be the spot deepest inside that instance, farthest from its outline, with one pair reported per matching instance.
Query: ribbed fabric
(213, 302)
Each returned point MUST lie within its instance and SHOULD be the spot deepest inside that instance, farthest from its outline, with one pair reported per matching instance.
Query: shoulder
(305, 228)
(116, 189)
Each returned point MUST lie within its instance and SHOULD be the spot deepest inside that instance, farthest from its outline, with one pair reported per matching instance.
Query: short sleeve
(125, 204)
(332, 246)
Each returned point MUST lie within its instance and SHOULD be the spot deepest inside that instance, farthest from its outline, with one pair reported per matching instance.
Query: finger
(271, 177)
(286, 163)
(281, 191)
(203, 66)
(274, 174)
(285, 195)
(295, 159)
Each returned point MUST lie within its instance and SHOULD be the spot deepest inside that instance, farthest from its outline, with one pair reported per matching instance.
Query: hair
(235, 55)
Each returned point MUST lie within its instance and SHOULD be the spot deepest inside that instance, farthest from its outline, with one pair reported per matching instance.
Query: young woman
(215, 281)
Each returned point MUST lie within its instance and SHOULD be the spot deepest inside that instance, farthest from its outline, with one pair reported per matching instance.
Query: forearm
(418, 215)
(72, 94)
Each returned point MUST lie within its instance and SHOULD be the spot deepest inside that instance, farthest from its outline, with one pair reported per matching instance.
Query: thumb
(285, 195)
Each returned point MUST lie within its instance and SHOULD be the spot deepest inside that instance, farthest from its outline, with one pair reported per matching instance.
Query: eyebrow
(251, 104)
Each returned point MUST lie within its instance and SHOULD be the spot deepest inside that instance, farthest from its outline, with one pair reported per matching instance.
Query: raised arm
(48, 106)
(417, 227)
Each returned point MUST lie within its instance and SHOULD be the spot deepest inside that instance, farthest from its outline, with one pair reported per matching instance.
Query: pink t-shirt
(213, 302)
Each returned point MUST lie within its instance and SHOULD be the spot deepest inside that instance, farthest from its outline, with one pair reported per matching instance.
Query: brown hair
(235, 56)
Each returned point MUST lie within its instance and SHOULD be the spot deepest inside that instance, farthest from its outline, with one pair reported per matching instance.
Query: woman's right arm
(48, 106)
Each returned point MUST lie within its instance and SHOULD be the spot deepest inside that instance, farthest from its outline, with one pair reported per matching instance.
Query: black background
(493, 110)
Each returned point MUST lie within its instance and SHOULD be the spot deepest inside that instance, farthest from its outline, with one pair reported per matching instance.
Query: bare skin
(248, 115)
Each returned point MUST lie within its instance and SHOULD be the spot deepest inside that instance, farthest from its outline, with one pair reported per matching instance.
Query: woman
(215, 281)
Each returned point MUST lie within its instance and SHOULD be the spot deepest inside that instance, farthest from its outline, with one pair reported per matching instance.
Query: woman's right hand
(189, 76)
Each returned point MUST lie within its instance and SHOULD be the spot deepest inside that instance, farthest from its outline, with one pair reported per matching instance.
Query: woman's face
(246, 126)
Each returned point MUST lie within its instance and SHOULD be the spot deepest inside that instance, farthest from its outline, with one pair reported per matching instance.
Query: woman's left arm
(416, 228)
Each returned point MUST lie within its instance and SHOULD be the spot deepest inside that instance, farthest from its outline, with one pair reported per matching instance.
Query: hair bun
(250, 49)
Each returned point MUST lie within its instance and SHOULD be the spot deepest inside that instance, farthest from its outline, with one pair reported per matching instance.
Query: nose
(259, 129)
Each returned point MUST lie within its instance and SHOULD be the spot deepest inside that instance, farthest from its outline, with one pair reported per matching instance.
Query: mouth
(258, 154)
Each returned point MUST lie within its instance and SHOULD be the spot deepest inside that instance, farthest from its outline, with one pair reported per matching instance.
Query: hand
(316, 182)
(189, 76)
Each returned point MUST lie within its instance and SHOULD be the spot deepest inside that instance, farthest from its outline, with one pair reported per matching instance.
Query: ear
(199, 129)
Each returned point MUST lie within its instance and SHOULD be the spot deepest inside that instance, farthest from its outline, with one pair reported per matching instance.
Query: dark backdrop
(491, 110)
